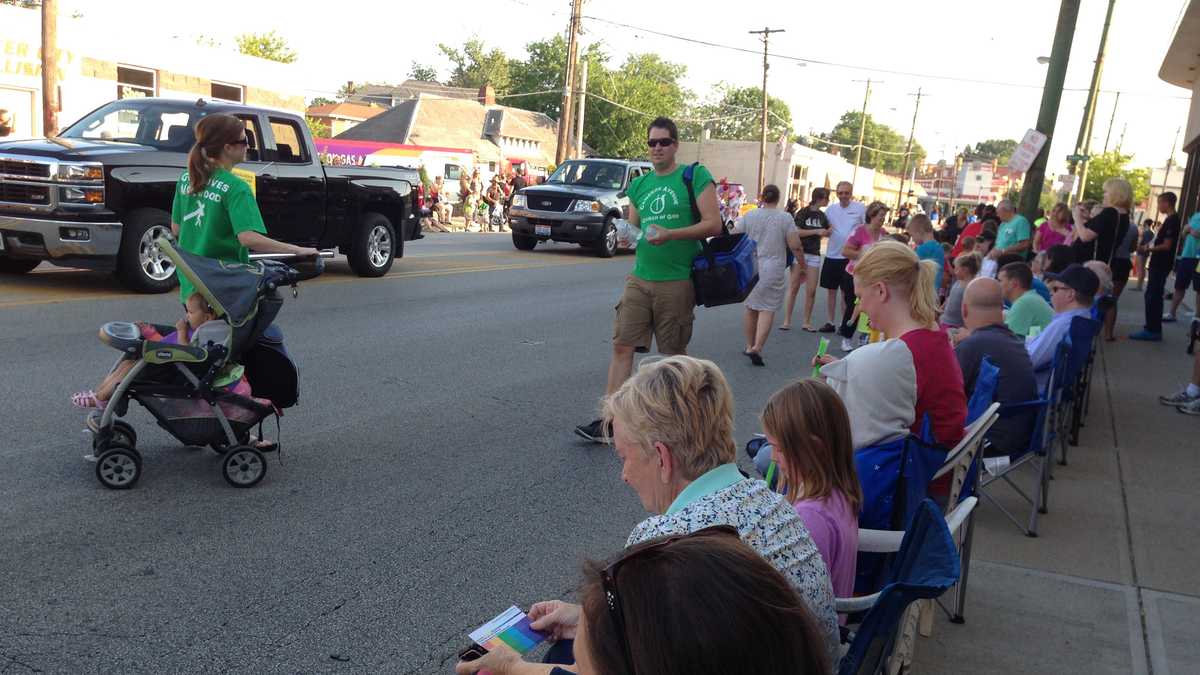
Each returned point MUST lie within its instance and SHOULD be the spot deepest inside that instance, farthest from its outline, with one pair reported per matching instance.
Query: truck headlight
(520, 202)
(79, 171)
(83, 195)
(584, 205)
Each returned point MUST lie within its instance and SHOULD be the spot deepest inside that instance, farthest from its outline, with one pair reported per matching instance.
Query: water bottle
(650, 232)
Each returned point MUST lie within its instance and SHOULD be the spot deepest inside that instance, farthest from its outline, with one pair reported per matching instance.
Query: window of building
(227, 92)
(133, 82)
(289, 144)
(492, 167)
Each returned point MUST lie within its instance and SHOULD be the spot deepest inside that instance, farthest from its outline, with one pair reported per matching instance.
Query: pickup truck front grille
(20, 193)
(11, 167)
(544, 202)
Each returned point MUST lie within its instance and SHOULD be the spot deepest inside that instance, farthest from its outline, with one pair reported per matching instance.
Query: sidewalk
(1110, 585)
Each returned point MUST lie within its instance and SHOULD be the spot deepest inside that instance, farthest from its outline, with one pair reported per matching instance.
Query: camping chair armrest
(852, 605)
(1010, 409)
(879, 541)
(960, 514)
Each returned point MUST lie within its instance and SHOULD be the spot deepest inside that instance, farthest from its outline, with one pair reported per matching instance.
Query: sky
(924, 43)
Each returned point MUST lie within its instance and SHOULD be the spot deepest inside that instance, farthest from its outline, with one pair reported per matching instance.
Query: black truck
(98, 194)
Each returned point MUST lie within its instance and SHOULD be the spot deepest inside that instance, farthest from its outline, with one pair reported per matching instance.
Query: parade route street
(429, 479)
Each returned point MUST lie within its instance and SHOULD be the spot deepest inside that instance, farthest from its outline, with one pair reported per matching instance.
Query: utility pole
(564, 116)
(50, 103)
(581, 92)
(1111, 120)
(1084, 144)
(908, 151)
(1056, 73)
(762, 141)
(862, 130)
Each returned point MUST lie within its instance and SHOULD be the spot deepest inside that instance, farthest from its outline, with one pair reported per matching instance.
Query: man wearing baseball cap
(1072, 292)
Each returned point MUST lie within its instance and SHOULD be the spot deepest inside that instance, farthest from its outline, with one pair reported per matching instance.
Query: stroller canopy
(235, 291)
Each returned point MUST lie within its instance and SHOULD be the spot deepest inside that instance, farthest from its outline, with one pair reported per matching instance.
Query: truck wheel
(17, 265)
(606, 245)
(373, 248)
(140, 265)
(524, 243)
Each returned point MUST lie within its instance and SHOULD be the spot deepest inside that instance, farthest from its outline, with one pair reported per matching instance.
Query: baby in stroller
(224, 373)
(197, 314)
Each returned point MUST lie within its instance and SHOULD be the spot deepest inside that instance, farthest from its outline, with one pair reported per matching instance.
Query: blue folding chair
(1039, 451)
(1084, 334)
(925, 563)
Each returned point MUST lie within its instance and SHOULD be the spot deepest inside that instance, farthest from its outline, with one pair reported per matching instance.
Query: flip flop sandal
(808, 329)
(262, 445)
(756, 359)
(785, 328)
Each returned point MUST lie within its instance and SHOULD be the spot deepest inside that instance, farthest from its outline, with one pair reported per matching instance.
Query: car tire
(606, 245)
(524, 242)
(17, 265)
(140, 266)
(373, 247)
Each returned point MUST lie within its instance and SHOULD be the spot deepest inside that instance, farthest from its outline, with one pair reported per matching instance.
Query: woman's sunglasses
(608, 578)
(660, 142)
(241, 141)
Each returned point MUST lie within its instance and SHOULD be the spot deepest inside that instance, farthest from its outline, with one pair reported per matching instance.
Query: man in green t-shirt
(658, 300)
(1029, 313)
(1015, 234)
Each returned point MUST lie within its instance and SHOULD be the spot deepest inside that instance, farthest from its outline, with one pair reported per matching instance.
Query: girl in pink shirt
(809, 429)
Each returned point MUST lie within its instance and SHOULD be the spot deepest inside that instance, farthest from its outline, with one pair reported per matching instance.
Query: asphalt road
(429, 478)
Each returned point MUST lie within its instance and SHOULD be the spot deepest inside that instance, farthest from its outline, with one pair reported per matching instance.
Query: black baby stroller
(185, 386)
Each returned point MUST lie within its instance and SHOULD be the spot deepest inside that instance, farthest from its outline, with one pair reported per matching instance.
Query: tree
(877, 136)
(265, 46)
(320, 100)
(1112, 165)
(742, 109)
(422, 73)
(644, 83)
(474, 66)
(999, 149)
(317, 128)
(347, 90)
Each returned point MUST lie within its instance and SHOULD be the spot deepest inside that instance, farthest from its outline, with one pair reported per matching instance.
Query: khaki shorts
(663, 310)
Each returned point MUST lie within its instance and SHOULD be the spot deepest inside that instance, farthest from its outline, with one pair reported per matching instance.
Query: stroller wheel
(119, 467)
(122, 434)
(243, 466)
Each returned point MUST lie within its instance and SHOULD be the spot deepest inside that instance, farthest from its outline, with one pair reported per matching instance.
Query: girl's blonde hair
(810, 423)
(971, 261)
(897, 266)
(1120, 191)
(683, 402)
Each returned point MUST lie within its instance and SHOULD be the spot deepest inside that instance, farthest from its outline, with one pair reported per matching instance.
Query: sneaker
(827, 328)
(1168, 318)
(847, 345)
(1146, 336)
(1179, 399)
(1192, 408)
(594, 431)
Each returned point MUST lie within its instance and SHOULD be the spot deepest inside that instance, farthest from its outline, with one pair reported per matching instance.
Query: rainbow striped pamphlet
(511, 628)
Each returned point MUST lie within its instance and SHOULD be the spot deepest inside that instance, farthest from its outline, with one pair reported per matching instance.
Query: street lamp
(1044, 60)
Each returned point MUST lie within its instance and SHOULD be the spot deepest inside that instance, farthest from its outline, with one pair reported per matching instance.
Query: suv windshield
(609, 175)
(164, 126)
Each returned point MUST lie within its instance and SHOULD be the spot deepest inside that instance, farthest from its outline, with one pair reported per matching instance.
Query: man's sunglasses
(608, 578)
(660, 142)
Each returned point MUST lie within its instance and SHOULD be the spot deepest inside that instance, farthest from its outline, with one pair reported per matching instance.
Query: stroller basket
(193, 422)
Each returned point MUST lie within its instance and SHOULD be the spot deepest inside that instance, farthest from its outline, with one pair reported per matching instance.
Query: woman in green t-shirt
(215, 213)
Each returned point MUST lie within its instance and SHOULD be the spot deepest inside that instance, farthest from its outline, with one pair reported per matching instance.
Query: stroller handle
(328, 253)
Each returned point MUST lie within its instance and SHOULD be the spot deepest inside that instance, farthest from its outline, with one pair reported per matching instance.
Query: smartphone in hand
(472, 653)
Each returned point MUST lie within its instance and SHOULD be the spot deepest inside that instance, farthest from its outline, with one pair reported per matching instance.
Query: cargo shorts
(662, 310)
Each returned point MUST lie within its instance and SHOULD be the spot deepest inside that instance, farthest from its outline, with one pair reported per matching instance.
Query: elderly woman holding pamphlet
(673, 432)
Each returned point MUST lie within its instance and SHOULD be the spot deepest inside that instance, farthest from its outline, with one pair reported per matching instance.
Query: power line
(833, 64)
